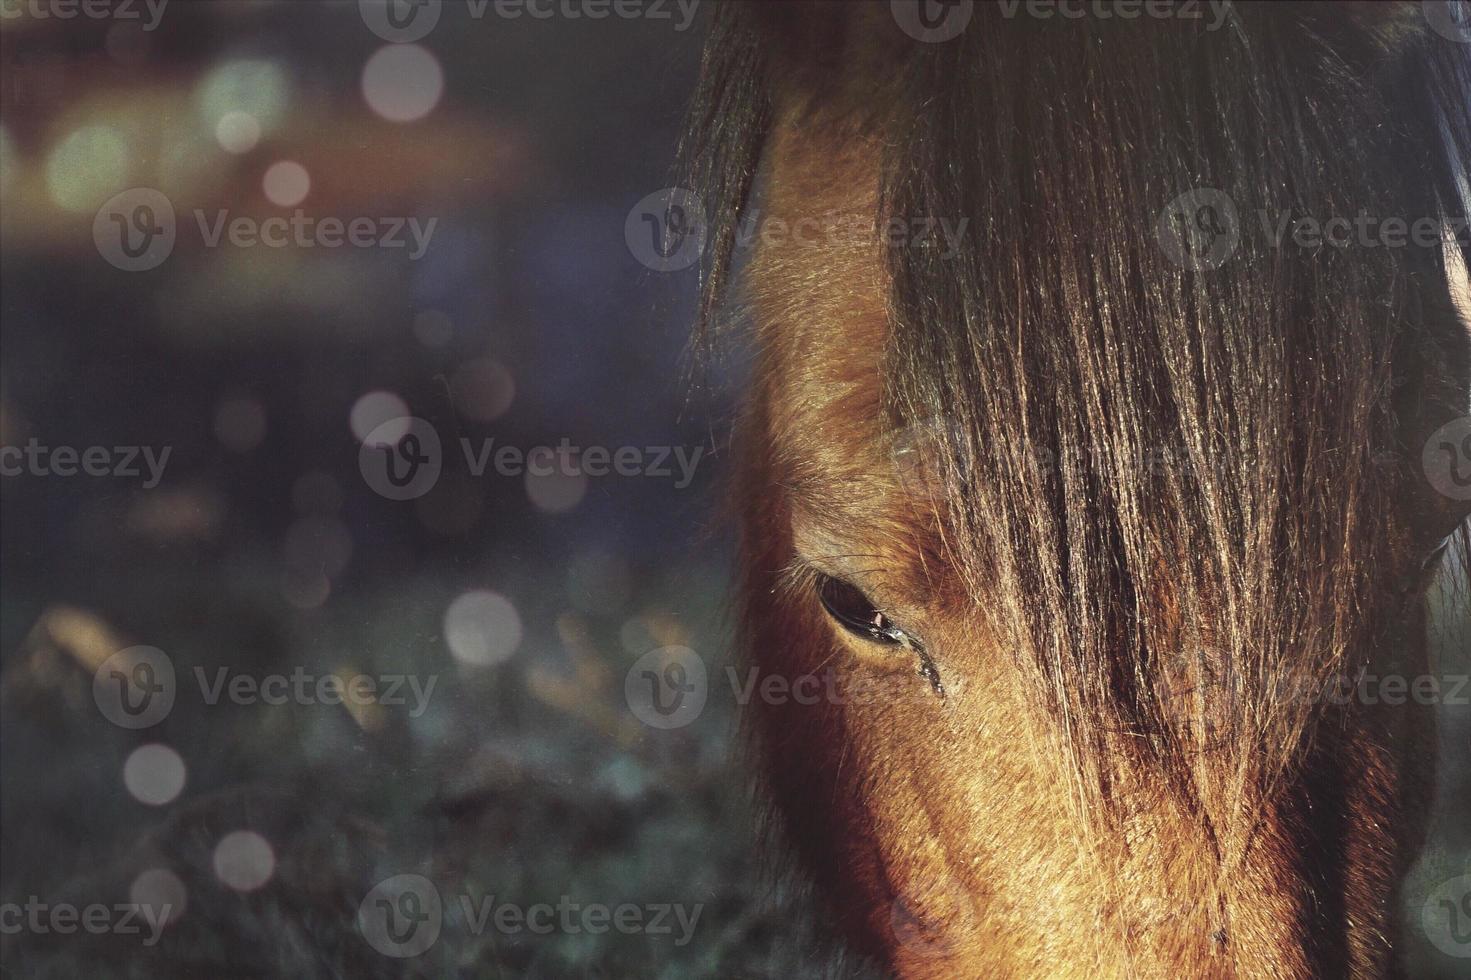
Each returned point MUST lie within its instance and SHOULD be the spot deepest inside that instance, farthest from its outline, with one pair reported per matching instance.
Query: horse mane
(1141, 460)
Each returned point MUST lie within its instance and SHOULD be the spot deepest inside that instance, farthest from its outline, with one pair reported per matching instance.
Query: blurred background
(498, 157)
(279, 281)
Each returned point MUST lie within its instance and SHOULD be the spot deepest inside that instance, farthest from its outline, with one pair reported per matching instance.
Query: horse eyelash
(802, 575)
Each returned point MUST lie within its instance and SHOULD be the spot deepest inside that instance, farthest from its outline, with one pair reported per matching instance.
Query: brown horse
(1090, 482)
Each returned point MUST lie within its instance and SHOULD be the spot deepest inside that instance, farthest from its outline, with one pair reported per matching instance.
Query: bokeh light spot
(237, 132)
(375, 408)
(256, 87)
(159, 889)
(154, 774)
(403, 82)
(482, 628)
(244, 860)
(287, 184)
(550, 488)
(87, 167)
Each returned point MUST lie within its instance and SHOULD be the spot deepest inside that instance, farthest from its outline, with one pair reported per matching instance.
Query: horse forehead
(843, 470)
(818, 286)
(817, 280)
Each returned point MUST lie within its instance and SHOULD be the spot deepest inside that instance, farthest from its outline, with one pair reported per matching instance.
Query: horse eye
(853, 611)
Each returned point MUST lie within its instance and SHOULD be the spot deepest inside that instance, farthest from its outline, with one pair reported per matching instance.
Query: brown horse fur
(1138, 515)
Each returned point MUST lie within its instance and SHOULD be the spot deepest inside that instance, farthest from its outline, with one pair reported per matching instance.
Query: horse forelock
(1160, 480)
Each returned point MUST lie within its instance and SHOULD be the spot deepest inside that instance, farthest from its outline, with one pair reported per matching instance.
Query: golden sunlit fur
(1085, 794)
(994, 876)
